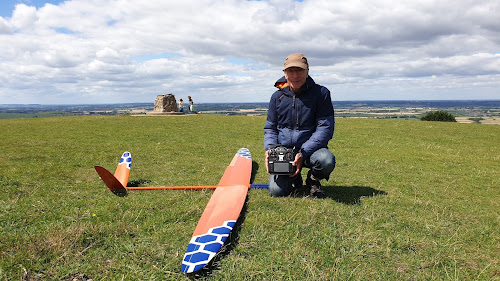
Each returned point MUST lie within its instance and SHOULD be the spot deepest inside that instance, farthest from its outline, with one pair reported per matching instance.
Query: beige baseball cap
(296, 60)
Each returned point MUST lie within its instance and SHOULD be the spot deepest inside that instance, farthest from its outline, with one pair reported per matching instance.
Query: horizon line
(247, 102)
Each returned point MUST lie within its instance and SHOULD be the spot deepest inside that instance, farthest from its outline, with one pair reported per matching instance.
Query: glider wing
(220, 214)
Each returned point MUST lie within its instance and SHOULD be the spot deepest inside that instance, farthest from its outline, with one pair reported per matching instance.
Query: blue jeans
(321, 163)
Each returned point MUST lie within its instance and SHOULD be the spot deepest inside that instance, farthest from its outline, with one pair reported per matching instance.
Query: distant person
(191, 104)
(301, 117)
(181, 105)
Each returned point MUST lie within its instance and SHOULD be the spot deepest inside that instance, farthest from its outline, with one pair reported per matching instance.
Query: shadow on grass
(230, 243)
(349, 195)
(137, 183)
(255, 169)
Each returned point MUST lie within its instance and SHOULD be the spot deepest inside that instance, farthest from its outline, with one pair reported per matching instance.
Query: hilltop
(407, 201)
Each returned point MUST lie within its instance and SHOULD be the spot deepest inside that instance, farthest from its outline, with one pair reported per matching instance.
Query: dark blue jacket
(304, 120)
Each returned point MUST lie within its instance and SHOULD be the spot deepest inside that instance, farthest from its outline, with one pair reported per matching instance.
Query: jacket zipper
(296, 113)
(293, 112)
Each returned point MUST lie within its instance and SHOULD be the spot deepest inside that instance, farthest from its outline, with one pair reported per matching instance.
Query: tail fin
(122, 171)
(117, 183)
(111, 182)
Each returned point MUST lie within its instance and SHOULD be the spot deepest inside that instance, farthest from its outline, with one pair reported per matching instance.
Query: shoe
(314, 185)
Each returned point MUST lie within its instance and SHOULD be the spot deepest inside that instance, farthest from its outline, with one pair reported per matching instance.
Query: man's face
(296, 77)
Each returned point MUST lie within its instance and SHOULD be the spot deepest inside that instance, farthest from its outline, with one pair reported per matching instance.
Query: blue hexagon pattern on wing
(203, 248)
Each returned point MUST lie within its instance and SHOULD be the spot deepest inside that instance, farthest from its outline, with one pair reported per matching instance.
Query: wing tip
(203, 248)
(245, 152)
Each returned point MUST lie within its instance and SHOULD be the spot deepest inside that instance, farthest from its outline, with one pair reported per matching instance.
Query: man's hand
(267, 161)
(298, 163)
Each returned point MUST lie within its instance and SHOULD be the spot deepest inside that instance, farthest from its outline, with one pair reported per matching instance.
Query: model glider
(221, 212)
(117, 182)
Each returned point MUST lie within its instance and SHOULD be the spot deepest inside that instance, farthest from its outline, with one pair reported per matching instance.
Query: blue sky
(79, 51)
(7, 6)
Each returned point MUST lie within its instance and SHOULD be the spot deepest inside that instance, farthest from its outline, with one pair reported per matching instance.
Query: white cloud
(217, 51)
(24, 17)
(4, 26)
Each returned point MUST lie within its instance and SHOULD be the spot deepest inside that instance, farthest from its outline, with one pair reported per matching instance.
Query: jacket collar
(283, 86)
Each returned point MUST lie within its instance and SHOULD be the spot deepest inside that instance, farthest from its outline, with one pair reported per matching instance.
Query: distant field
(407, 201)
(482, 120)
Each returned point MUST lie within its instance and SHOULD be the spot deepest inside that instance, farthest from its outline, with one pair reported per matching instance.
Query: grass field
(408, 200)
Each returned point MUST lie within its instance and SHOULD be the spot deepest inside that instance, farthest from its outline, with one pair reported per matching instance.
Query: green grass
(407, 201)
(42, 114)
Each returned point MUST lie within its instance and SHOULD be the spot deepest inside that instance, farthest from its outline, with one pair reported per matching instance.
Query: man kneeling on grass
(301, 117)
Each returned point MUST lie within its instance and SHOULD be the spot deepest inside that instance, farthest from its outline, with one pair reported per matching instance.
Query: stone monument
(165, 105)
